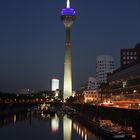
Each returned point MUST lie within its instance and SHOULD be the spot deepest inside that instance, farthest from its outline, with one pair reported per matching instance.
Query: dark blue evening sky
(32, 39)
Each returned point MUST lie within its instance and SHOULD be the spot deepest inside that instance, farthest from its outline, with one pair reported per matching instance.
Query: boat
(115, 131)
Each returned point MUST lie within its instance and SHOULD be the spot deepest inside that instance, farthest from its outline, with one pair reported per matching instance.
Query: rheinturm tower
(67, 16)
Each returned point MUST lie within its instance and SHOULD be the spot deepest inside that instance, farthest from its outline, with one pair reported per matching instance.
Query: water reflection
(83, 132)
(67, 128)
(45, 126)
(64, 127)
(15, 118)
(80, 131)
(54, 124)
(7, 118)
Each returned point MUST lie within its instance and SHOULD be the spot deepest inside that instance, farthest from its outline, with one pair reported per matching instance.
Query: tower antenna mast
(68, 4)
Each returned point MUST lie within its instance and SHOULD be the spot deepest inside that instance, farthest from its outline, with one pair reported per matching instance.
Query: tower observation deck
(68, 15)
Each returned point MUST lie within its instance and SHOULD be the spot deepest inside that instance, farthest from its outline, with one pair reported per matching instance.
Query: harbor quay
(124, 117)
(121, 115)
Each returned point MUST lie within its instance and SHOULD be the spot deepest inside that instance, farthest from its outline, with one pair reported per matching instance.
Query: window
(124, 53)
(124, 62)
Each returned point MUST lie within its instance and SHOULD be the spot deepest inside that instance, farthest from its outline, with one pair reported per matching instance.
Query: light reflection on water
(67, 128)
(33, 125)
(55, 124)
(83, 132)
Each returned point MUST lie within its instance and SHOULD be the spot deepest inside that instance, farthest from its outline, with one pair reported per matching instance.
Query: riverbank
(129, 116)
(125, 117)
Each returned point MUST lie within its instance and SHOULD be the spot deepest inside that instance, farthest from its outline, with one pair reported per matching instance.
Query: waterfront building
(91, 96)
(104, 65)
(54, 84)
(130, 56)
(125, 81)
(67, 16)
(92, 83)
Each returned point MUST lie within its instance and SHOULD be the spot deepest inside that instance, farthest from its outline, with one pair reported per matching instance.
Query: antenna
(68, 4)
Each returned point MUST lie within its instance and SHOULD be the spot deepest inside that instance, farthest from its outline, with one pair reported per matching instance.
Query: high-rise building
(68, 17)
(104, 65)
(130, 56)
(55, 84)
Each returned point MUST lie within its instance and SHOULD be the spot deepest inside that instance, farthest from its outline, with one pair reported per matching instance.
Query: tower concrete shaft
(67, 67)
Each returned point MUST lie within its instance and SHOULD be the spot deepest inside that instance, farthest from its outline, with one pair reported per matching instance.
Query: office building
(104, 65)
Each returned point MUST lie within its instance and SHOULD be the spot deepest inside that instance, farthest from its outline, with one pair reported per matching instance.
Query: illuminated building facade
(55, 84)
(91, 96)
(68, 17)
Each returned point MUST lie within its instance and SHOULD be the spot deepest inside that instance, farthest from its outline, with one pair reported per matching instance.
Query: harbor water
(32, 124)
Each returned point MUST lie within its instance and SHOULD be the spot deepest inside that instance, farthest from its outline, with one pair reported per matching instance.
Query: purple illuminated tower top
(68, 15)
(68, 12)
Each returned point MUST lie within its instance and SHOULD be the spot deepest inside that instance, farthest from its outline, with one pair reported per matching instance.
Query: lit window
(124, 53)
(124, 62)
(127, 57)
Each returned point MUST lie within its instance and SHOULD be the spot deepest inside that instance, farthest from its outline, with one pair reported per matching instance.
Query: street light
(134, 92)
(138, 106)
